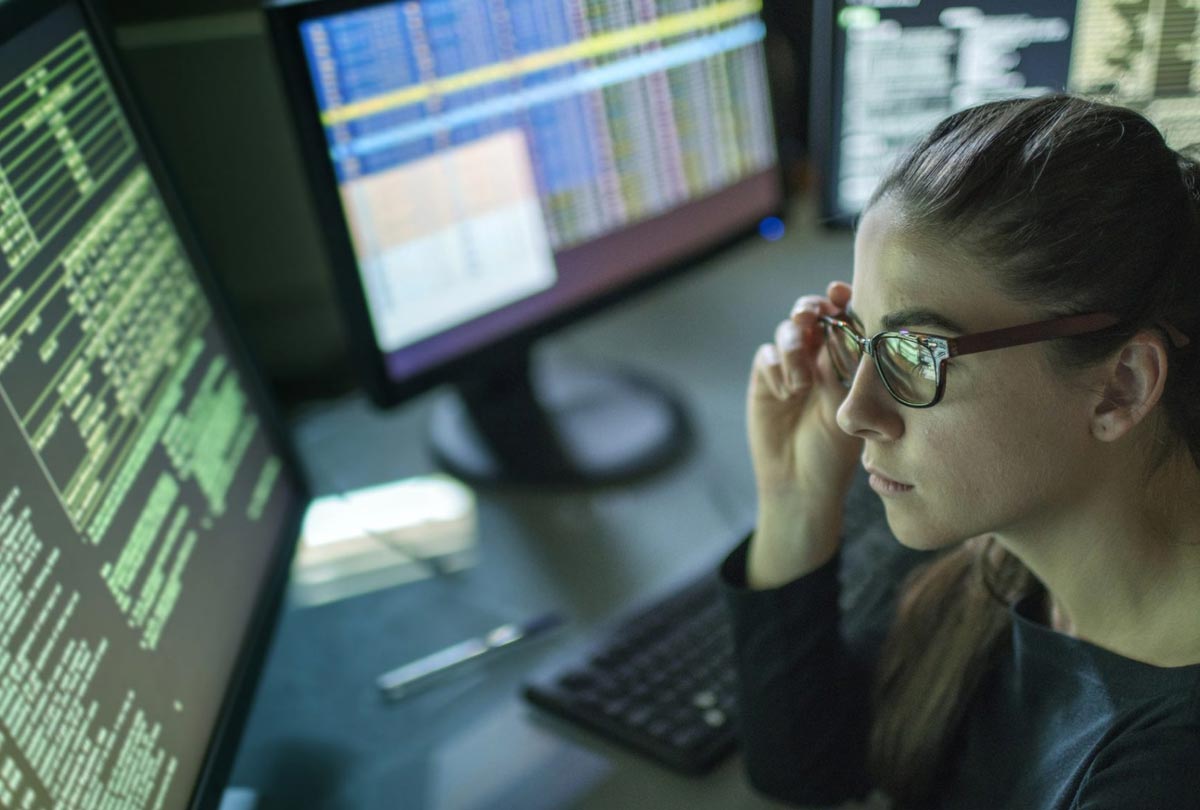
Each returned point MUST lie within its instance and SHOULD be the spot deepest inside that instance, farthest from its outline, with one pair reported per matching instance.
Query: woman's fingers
(805, 316)
(786, 366)
(839, 295)
(812, 304)
(768, 370)
(789, 344)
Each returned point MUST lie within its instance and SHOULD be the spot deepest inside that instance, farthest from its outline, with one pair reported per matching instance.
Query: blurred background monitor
(148, 506)
(886, 71)
(488, 172)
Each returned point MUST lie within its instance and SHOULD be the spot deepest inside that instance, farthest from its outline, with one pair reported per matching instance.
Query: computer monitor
(489, 172)
(148, 503)
(886, 71)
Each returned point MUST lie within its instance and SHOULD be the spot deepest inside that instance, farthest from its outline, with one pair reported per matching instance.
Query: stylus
(424, 671)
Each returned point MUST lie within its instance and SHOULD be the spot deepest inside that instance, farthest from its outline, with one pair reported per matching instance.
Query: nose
(868, 411)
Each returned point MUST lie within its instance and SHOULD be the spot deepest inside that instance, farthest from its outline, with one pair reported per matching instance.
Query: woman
(1049, 654)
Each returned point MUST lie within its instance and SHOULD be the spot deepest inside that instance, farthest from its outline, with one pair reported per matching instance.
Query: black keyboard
(660, 681)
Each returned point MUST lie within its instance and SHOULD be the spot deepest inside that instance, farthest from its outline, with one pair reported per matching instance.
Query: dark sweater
(1059, 723)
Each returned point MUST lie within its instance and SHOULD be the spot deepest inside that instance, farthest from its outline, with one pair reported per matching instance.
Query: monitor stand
(560, 426)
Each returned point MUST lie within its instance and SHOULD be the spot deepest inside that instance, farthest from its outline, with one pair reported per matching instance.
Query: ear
(1133, 386)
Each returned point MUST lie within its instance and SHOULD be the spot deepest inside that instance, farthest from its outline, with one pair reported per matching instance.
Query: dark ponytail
(951, 624)
(1182, 399)
(1077, 207)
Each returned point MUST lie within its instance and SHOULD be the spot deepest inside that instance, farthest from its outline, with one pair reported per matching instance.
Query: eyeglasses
(913, 365)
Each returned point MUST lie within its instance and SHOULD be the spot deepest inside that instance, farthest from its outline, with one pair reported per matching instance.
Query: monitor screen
(490, 166)
(146, 504)
(886, 71)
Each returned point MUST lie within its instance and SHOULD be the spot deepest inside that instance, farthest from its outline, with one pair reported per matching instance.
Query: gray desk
(320, 737)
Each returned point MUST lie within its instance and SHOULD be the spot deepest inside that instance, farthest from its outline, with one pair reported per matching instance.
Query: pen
(424, 671)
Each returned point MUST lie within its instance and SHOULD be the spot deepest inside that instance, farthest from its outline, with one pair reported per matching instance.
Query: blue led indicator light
(771, 229)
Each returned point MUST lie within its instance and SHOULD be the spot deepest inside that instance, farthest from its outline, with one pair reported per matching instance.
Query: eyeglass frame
(943, 348)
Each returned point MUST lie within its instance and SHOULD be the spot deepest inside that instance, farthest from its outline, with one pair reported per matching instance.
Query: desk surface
(320, 737)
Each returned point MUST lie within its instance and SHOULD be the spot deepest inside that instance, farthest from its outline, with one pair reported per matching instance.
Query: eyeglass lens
(907, 367)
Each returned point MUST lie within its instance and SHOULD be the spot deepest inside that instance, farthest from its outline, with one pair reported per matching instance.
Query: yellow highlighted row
(606, 43)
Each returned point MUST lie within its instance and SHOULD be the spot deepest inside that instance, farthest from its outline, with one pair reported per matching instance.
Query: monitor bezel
(284, 18)
(217, 762)
(825, 111)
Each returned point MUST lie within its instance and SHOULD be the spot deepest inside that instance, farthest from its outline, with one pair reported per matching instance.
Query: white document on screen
(449, 237)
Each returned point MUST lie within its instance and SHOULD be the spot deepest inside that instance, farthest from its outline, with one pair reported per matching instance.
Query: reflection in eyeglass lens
(908, 368)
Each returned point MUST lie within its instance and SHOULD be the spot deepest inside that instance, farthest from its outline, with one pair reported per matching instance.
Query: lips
(881, 475)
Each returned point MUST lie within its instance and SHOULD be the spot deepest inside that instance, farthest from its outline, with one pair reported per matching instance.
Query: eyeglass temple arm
(1031, 333)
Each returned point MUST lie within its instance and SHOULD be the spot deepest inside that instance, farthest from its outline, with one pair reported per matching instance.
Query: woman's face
(1007, 450)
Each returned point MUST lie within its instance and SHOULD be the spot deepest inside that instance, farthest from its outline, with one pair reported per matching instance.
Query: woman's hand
(803, 462)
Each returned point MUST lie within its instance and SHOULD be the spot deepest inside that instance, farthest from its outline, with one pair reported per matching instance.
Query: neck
(1123, 573)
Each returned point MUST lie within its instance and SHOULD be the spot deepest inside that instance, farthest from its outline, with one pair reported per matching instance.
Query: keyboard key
(689, 736)
(616, 708)
(639, 716)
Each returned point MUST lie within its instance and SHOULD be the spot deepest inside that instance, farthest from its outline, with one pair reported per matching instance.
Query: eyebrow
(912, 316)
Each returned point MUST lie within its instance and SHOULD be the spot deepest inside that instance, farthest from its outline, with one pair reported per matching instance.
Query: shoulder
(1151, 768)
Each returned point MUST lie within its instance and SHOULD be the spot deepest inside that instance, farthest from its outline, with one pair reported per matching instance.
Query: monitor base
(564, 426)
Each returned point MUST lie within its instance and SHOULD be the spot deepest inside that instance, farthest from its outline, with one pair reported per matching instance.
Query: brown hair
(1078, 207)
